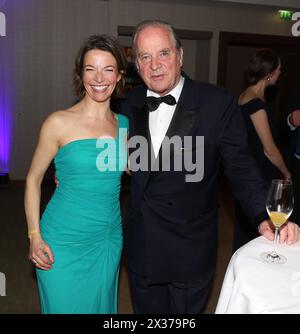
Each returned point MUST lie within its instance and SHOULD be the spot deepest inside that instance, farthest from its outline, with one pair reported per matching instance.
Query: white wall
(204, 15)
(44, 36)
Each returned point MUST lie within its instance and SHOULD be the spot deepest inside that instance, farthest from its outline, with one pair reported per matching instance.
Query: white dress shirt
(160, 119)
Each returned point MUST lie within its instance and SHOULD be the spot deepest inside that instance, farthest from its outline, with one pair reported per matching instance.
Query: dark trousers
(169, 298)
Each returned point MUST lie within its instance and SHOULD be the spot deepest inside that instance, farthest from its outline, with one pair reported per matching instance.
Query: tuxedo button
(170, 203)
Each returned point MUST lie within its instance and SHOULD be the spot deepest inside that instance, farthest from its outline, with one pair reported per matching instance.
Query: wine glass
(279, 204)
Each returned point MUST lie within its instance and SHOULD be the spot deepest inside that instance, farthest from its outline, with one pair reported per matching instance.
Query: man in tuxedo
(170, 233)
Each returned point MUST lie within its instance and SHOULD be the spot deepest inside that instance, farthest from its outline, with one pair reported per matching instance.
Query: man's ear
(181, 56)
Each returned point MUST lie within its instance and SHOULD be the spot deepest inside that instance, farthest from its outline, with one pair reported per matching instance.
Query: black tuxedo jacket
(170, 232)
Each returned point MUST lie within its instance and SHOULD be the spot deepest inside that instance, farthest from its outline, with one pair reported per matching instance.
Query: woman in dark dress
(263, 71)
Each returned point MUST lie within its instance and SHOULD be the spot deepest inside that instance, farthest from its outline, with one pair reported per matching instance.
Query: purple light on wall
(5, 126)
(6, 97)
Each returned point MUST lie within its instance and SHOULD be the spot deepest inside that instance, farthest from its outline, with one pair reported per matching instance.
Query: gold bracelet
(35, 231)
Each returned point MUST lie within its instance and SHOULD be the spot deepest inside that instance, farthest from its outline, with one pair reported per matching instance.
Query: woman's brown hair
(262, 63)
(104, 43)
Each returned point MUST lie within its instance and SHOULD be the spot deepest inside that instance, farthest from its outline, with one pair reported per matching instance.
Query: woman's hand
(128, 171)
(295, 118)
(40, 253)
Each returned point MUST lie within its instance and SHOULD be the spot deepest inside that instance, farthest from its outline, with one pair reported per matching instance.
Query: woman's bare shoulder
(57, 123)
(247, 96)
(61, 117)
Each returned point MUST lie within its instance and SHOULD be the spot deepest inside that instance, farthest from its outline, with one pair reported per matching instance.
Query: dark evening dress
(244, 230)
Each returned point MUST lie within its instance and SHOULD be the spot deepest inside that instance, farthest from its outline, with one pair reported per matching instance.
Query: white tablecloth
(253, 286)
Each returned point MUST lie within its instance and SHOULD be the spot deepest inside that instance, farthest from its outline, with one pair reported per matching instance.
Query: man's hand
(295, 118)
(289, 233)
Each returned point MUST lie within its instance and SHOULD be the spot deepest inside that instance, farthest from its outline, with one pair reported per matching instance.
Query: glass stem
(274, 253)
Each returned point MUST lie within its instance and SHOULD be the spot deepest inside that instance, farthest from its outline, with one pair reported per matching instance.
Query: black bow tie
(154, 102)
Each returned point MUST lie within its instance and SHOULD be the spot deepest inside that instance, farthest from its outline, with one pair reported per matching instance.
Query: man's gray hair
(155, 23)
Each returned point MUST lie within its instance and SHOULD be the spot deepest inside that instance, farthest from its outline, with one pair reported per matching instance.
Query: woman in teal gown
(76, 246)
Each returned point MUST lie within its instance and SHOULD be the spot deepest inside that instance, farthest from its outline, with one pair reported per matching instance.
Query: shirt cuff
(291, 126)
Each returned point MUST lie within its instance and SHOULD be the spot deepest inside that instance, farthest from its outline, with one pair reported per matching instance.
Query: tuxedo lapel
(187, 114)
(182, 122)
(141, 125)
(141, 121)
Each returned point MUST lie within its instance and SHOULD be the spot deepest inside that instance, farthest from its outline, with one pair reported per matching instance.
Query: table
(252, 286)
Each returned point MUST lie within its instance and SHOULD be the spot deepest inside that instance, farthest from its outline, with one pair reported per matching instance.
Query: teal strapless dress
(82, 225)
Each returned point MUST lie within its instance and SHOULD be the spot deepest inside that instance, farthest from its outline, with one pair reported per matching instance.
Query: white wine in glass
(279, 204)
